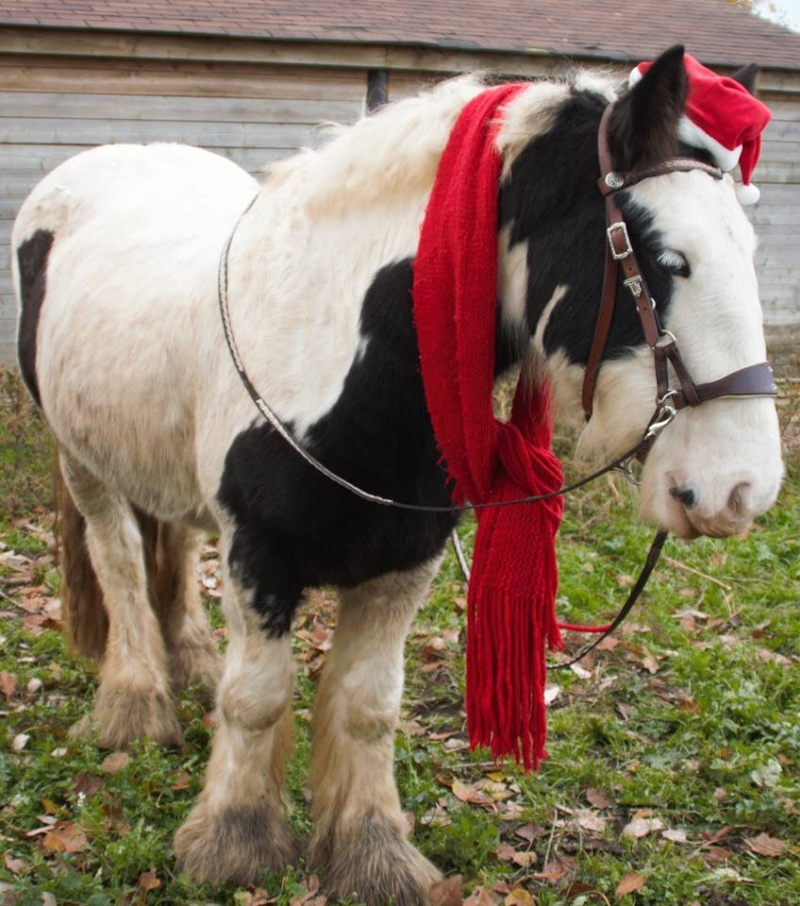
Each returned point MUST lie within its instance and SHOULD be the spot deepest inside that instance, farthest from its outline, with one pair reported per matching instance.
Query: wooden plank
(173, 109)
(179, 78)
(59, 130)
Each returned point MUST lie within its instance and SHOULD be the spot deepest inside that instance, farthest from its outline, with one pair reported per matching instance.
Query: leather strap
(754, 380)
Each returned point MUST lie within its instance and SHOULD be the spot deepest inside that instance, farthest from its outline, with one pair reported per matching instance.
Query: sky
(791, 8)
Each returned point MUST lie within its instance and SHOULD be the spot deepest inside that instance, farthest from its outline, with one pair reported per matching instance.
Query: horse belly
(129, 311)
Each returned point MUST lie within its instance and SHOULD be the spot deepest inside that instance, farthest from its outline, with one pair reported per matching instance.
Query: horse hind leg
(172, 552)
(134, 699)
(360, 844)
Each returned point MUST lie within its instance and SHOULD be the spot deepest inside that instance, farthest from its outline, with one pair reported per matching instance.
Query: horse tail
(84, 615)
(83, 611)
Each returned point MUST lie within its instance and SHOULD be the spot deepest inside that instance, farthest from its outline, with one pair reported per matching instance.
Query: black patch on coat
(295, 529)
(552, 202)
(32, 257)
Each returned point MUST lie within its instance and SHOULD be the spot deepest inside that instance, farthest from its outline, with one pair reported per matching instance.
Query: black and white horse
(116, 267)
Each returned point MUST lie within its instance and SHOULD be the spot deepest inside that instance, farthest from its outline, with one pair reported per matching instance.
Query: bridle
(754, 380)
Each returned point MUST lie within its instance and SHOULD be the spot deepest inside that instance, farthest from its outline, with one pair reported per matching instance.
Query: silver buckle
(665, 413)
(634, 284)
(622, 227)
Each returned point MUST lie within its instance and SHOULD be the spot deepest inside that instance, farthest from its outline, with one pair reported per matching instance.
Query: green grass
(688, 726)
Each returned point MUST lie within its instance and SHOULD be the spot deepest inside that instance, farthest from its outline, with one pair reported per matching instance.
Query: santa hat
(723, 118)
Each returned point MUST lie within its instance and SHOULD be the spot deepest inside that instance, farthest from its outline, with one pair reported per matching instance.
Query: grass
(674, 768)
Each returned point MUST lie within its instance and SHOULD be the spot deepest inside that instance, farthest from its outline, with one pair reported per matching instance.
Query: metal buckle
(665, 413)
(621, 227)
(634, 284)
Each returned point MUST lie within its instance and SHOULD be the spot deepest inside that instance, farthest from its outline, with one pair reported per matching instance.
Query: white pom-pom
(747, 194)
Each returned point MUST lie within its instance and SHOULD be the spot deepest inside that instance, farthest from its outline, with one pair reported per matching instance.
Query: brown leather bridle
(753, 381)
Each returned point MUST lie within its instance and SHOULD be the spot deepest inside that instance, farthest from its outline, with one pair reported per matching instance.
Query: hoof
(373, 863)
(122, 716)
(236, 845)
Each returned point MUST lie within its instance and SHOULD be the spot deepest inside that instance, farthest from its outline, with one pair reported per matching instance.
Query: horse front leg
(360, 844)
(238, 828)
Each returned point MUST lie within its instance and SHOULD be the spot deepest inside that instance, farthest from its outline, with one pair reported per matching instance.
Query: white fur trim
(635, 77)
(725, 158)
(747, 194)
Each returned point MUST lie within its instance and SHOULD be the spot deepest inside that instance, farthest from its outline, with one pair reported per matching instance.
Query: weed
(674, 761)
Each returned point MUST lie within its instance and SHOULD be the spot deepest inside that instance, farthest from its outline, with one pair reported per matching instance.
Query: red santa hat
(723, 118)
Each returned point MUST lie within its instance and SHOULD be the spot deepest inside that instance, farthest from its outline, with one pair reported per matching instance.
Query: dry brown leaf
(598, 799)
(470, 794)
(115, 762)
(8, 684)
(524, 859)
(588, 821)
(447, 892)
(15, 866)
(641, 827)
(505, 851)
(531, 832)
(65, 837)
(519, 897)
(148, 880)
(764, 845)
(629, 884)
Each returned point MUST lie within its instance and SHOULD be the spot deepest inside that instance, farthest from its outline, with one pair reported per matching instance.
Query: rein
(754, 380)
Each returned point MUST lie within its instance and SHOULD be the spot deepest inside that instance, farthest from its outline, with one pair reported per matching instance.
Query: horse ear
(747, 75)
(643, 128)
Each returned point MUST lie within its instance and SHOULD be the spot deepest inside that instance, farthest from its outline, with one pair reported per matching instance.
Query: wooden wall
(52, 105)
(52, 109)
(777, 221)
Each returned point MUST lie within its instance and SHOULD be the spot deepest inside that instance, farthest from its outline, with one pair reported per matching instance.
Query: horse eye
(674, 263)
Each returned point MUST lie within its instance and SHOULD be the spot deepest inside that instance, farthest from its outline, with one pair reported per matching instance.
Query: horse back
(115, 257)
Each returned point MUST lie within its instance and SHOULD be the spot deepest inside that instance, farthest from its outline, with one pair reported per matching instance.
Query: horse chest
(294, 528)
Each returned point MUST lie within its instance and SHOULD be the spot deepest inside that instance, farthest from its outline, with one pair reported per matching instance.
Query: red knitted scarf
(511, 603)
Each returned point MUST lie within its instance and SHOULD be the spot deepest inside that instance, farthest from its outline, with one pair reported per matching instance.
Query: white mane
(395, 150)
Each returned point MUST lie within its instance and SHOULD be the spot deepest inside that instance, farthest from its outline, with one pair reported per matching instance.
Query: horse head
(715, 466)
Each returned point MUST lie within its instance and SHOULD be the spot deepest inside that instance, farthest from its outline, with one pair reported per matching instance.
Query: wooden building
(252, 81)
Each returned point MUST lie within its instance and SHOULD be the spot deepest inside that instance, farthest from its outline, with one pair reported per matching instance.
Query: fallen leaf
(588, 821)
(641, 827)
(466, 793)
(115, 762)
(524, 859)
(629, 884)
(764, 845)
(530, 832)
(674, 835)
(65, 838)
(16, 866)
(650, 664)
(8, 684)
(148, 880)
(448, 892)
(20, 741)
(505, 851)
(481, 897)
(598, 798)
(519, 897)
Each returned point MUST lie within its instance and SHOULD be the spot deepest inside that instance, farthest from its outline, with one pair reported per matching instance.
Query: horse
(121, 343)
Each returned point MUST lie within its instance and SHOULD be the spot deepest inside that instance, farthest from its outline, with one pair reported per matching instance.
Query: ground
(674, 767)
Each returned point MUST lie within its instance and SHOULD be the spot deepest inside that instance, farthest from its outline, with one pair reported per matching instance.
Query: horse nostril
(686, 495)
(738, 502)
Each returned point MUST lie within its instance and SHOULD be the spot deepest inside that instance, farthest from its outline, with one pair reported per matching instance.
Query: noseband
(754, 380)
